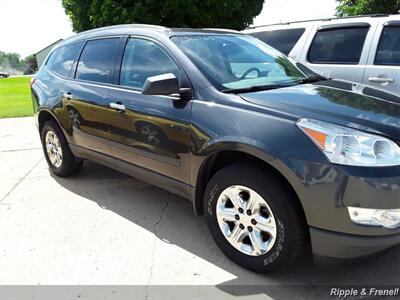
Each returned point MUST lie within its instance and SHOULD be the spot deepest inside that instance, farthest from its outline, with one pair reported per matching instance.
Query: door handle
(117, 106)
(381, 79)
(68, 96)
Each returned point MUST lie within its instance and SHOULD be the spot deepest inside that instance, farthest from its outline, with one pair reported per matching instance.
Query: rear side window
(282, 40)
(143, 59)
(338, 46)
(62, 59)
(97, 60)
(388, 52)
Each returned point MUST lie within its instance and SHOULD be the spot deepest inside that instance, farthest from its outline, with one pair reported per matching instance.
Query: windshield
(239, 62)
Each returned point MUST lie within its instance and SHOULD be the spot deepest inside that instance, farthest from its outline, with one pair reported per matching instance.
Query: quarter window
(97, 61)
(388, 52)
(61, 60)
(283, 40)
(338, 46)
(143, 59)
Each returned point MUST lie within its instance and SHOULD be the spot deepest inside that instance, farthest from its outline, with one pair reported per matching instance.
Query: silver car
(358, 49)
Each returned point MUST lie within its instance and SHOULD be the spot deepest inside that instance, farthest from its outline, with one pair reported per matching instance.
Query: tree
(30, 64)
(12, 63)
(78, 12)
(13, 60)
(234, 14)
(365, 7)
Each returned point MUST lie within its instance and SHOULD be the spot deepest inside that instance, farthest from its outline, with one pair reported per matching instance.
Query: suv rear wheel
(59, 157)
(254, 219)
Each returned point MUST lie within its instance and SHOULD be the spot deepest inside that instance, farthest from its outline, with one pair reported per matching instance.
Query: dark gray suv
(281, 161)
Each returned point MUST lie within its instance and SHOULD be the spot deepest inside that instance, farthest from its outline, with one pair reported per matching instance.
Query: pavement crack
(20, 180)
(156, 237)
(161, 216)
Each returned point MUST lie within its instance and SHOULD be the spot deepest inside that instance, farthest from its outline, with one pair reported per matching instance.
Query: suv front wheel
(254, 218)
(58, 155)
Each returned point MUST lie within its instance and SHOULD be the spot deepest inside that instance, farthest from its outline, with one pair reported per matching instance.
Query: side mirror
(165, 84)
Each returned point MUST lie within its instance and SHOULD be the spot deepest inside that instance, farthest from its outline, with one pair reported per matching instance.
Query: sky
(276, 11)
(27, 26)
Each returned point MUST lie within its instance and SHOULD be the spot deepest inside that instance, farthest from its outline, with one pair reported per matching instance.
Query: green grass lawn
(15, 98)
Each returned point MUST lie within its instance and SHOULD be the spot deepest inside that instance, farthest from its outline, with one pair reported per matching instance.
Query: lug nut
(249, 212)
(237, 217)
(241, 226)
(241, 210)
(254, 222)
(250, 229)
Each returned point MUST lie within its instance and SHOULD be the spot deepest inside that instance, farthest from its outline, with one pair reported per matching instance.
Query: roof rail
(100, 29)
(322, 19)
(132, 25)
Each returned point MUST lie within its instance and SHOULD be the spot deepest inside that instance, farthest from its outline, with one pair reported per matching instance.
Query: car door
(147, 131)
(85, 96)
(383, 69)
(337, 50)
(58, 69)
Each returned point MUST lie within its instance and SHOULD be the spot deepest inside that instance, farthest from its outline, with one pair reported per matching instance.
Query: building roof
(49, 46)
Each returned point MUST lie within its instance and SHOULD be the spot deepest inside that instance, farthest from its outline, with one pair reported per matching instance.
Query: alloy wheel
(246, 220)
(53, 149)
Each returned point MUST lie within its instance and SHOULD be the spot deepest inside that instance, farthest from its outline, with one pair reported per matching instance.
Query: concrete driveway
(102, 227)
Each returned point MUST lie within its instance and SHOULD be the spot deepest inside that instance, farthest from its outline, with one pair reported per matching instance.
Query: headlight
(346, 146)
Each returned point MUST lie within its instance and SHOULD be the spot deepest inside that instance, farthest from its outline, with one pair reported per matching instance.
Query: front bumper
(326, 191)
(339, 245)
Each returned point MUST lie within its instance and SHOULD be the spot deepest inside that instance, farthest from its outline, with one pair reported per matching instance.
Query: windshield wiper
(311, 79)
(255, 88)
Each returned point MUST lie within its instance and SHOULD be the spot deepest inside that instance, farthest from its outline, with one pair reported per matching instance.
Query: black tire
(291, 240)
(70, 164)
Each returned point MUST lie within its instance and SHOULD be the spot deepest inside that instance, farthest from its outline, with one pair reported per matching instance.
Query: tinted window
(62, 58)
(342, 45)
(388, 52)
(283, 40)
(97, 60)
(143, 59)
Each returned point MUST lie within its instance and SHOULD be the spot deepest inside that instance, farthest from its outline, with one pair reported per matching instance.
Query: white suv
(359, 49)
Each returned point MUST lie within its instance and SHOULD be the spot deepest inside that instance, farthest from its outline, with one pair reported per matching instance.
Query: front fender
(236, 143)
(200, 159)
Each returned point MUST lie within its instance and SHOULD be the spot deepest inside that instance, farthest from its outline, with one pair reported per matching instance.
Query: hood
(338, 102)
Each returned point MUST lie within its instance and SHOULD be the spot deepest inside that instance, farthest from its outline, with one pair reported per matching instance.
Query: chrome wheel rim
(246, 220)
(53, 149)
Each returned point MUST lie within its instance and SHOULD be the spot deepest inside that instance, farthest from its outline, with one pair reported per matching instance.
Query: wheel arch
(230, 153)
(44, 116)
